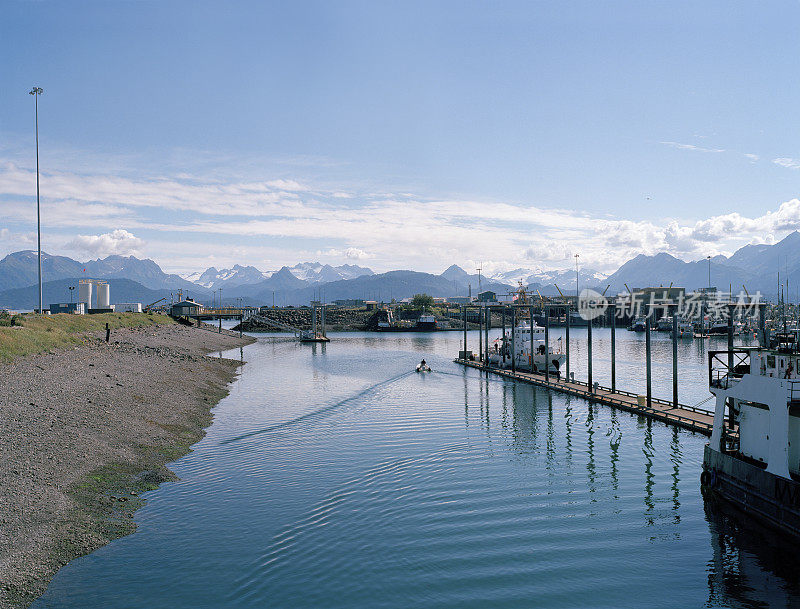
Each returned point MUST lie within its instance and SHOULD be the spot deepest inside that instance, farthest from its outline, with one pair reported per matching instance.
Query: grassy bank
(33, 333)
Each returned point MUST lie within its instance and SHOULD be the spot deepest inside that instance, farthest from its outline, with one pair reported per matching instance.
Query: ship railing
(794, 392)
(727, 367)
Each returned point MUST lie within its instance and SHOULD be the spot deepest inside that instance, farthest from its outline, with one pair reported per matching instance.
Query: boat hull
(772, 499)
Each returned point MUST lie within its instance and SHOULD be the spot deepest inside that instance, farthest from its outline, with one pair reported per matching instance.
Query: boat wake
(318, 414)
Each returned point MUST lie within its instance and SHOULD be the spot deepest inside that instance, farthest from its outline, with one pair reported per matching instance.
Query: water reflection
(591, 469)
(676, 456)
(615, 437)
(649, 476)
(751, 566)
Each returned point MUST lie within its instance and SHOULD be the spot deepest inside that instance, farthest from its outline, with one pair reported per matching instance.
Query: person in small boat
(422, 364)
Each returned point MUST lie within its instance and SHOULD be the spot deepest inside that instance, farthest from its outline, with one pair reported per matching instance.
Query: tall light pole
(577, 292)
(709, 272)
(36, 92)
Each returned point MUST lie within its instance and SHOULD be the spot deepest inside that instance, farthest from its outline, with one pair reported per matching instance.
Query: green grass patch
(33, 333)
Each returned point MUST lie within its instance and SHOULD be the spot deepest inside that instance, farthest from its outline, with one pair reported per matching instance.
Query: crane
(152, 304)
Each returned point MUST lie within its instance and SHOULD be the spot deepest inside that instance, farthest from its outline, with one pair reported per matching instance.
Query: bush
(7, 319)
(422, 301)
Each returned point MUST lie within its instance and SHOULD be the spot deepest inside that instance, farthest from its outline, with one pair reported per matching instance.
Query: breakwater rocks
(337, 320)
(85, 430)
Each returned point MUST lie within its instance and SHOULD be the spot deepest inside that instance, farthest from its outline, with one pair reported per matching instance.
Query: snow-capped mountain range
(311, 272)
(564, 279)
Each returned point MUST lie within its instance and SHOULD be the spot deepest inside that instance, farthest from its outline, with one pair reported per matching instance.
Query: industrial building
(185, 307)
(85, 289)
(77, 308)
(128, 307)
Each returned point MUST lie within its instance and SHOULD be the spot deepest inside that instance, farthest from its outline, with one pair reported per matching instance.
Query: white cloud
(351, 253)
(787, 162)
(289, 185)
(680, 146)
(119, 242)
(264, 223)
(751, 156)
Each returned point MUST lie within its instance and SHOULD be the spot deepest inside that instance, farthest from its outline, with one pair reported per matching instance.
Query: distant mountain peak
(454, 273)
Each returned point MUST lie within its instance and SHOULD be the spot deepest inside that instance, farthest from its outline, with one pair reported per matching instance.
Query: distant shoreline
(85, 430)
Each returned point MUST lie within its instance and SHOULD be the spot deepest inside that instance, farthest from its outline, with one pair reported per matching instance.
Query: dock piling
(533, 359)
(487, 313)
(503, 337)
(614, 349)
(513, 342)
(546, 343)
(730, 337)
(464, 311)
(589, 347)
(480, 334)
(675, 358)
(647, 358)
(566, 338)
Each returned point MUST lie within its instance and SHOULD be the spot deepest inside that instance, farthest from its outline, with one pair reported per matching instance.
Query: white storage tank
(103, 296)
(85, 293)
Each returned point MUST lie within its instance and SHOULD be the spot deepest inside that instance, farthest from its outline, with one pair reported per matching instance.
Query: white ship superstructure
(753, 457)
(528, 347)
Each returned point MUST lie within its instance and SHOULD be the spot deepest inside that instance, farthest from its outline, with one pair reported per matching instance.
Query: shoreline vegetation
(87, 426)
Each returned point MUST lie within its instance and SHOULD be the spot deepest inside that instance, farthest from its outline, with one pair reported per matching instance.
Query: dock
(687, 417)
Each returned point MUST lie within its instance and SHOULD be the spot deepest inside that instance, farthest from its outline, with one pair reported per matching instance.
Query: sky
(399, 135)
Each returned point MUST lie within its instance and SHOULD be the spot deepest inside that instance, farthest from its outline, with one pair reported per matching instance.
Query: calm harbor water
(333, 476)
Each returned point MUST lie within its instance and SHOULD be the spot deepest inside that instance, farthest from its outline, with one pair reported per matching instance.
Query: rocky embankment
(84, 431)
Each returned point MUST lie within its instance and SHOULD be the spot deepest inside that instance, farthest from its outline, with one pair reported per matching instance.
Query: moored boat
(753, 457)
(426, 321)
(639, 324)
(528, 347)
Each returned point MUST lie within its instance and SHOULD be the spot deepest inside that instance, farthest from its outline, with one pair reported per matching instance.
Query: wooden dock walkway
(688, 417)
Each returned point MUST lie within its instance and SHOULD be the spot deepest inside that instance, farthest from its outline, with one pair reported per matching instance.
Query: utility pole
(479, 269)
(709, 272)
(36, 92)
(577, 289)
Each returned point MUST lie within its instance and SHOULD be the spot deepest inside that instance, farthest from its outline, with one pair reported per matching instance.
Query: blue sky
(400, 134)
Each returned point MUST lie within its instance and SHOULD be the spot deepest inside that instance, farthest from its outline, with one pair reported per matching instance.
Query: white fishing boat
(639, 324)
(753, 457)
(426, 321)
(529, 349)
(664, 324)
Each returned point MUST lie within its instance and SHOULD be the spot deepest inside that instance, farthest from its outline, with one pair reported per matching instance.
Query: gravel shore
(84, 431)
